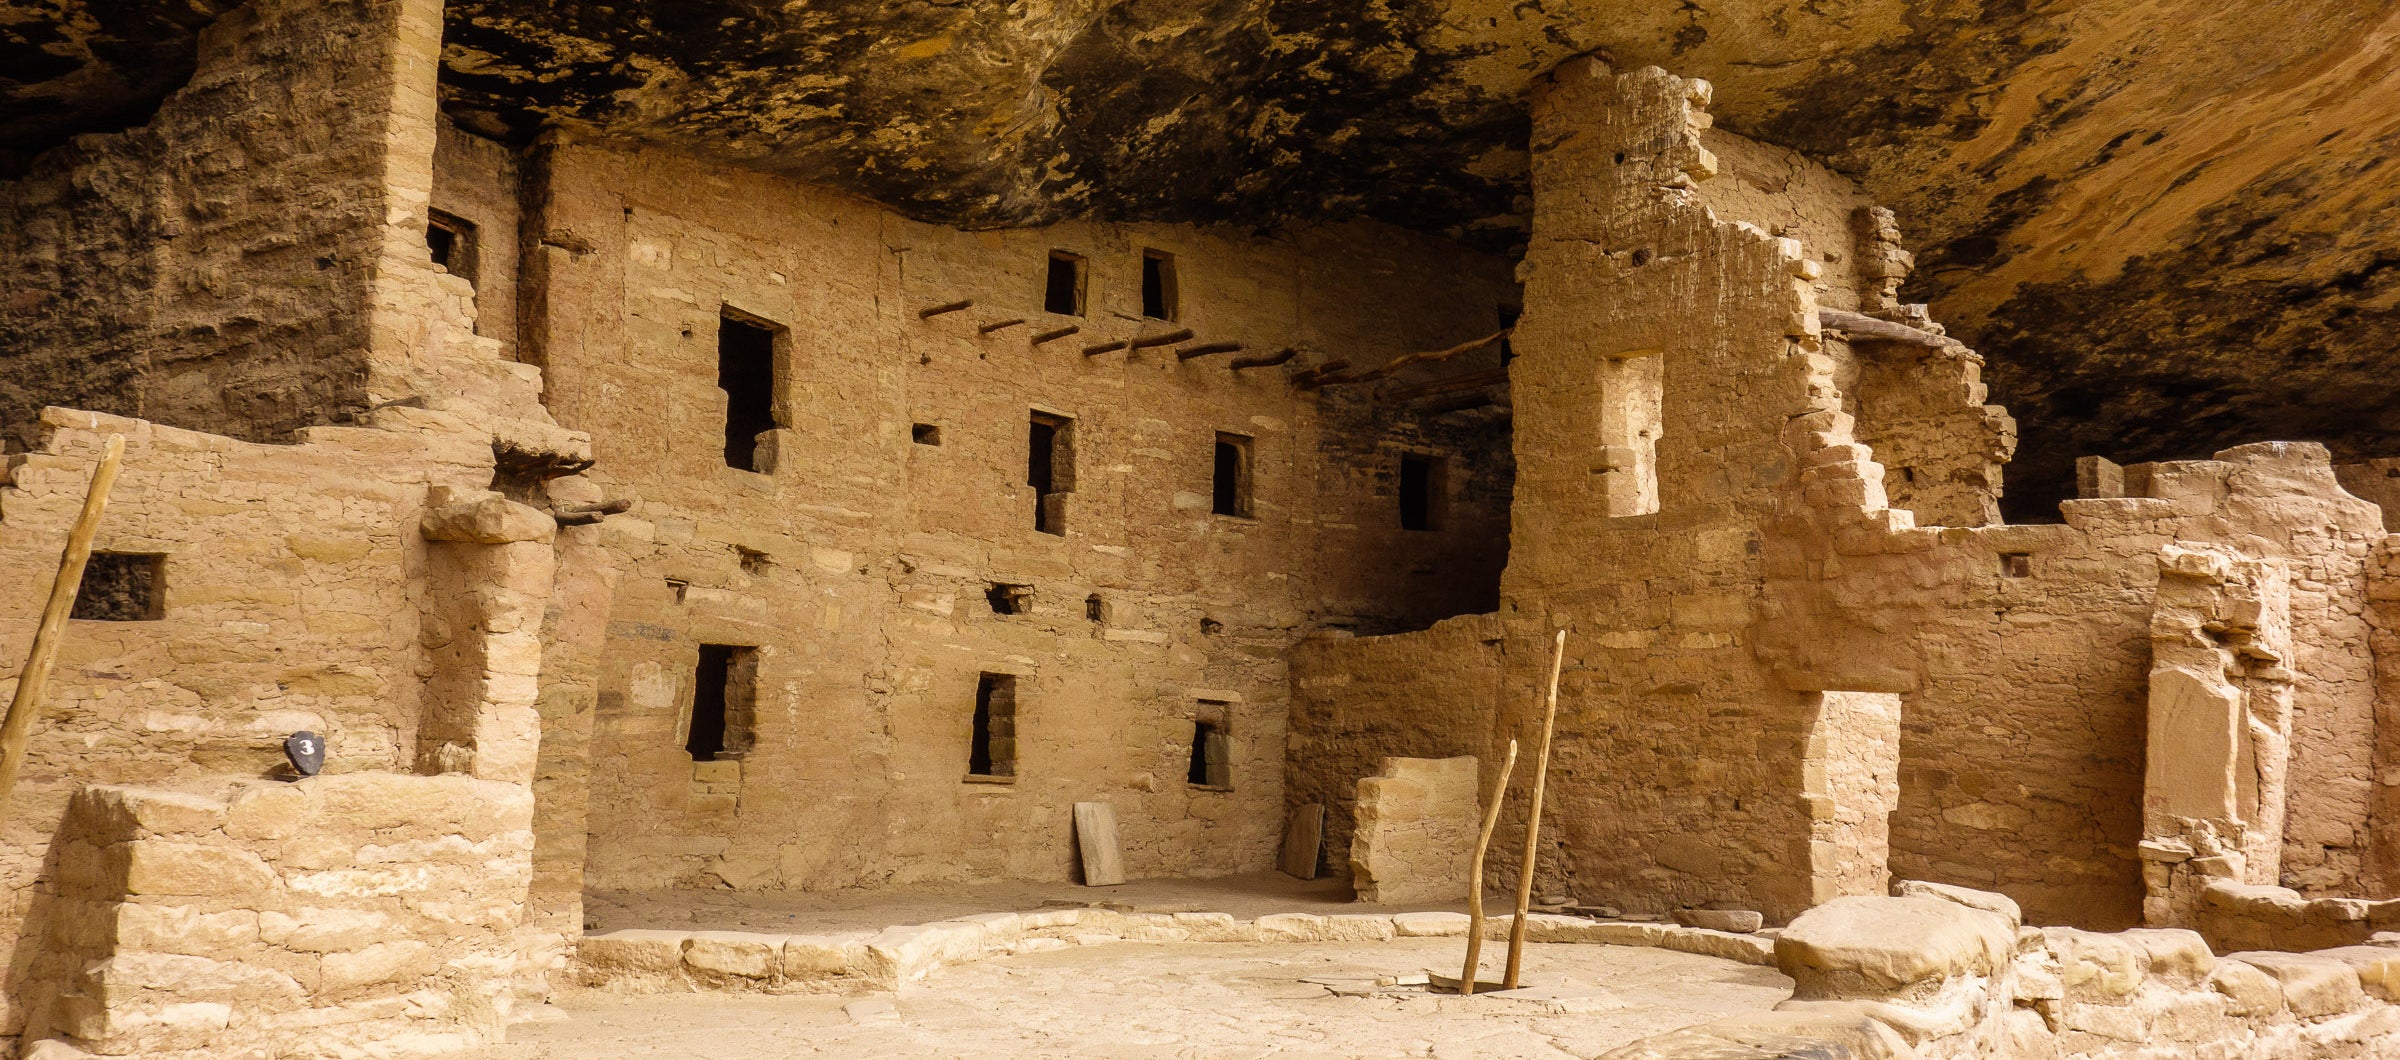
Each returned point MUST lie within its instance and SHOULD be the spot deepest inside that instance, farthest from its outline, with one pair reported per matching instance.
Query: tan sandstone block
(129, 978)
(1357, 927)
(2096, 967)
(2378, 968)
(181, 929)
(270, 811)
(1871, 947)
(2312, 985)
(632, 950)
(312, 930)
(1988, 901)
(2248, 991)
(1291, 927)
(123, 812)
(157, 866)
(811, 957)
(1731, 946)
(1429, 925)
(397, 964)
(2176, 955)
(742, 954)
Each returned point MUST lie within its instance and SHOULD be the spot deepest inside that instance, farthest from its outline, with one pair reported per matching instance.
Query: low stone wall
(2236, 916)
(315, 918)
(1943, 972)
(652, 961)
(1416, 828)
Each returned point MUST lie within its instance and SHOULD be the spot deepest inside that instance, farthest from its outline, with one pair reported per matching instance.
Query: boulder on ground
(1869, 948)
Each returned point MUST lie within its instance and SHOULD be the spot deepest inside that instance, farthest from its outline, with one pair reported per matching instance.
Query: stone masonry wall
(288, 602)
(1357, 702)
(214, 268)
(1700, 503)
(859, 557)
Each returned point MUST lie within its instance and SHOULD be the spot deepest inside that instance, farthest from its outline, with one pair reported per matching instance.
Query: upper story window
(1158, 285)
(746, 373)
(1062, 292)
(451, 239)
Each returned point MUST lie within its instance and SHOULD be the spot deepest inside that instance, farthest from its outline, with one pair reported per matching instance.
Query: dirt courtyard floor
(1202, 1001)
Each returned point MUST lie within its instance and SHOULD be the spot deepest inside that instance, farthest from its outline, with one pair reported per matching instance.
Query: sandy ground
(812, 912)
(1181, 1000)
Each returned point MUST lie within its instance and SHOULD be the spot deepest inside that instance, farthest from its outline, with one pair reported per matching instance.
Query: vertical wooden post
(1533, 820)
(28, 700)
(1491, 820)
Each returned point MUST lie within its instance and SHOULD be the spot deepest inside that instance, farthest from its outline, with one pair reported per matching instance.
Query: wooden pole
(1491, 821)
(28, 700)
(1533, 821)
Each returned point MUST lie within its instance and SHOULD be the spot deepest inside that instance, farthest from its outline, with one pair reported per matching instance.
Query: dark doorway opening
(1212, 765)
(1230, 491)
(746, 373)
(1050, 469)
(1421, 491)
(1158, 285)
(1062, 291)
(724, 689)
(992, 751)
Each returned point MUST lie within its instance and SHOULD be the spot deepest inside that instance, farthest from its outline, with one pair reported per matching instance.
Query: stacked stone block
(292, 919)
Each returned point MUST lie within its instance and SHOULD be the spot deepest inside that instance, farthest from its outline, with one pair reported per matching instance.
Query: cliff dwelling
(1713, 531)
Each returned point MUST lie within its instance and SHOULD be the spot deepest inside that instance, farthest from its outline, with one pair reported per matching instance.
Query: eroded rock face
(2159, 221)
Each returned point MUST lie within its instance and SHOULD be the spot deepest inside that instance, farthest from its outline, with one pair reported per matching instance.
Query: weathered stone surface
(1988, 901)
(2312, 985)
(1870, 947)
(1738, 920)
(737, 953)
(2249, 990)
(633, 950)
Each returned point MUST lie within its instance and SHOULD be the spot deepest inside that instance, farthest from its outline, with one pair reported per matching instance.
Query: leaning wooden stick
(1491, 820)
(1533, 820)
(28, 700)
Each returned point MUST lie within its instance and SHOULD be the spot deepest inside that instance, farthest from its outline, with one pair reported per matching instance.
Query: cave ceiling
(2169, 224)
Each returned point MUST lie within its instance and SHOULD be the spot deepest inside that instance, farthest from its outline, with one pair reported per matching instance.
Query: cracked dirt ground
(1183, 1000)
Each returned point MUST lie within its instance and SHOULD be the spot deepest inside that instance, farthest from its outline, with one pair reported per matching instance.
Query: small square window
(925, 434)
(451, 241)
(2016, 564)
(1062, 293)
(122, 587)
(1007, 599)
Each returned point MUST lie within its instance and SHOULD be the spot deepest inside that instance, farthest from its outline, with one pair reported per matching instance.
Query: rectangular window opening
(2016, 564)
(746, 373)
(724, 702)
(122, 587)
(1424, 486)
(451, 239)
(1158, 285)
(1212, 754)
(1050, 469)
(1632, 416)
(1062, 293)
(1231, 495)
(925, 434)
(992, 751)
